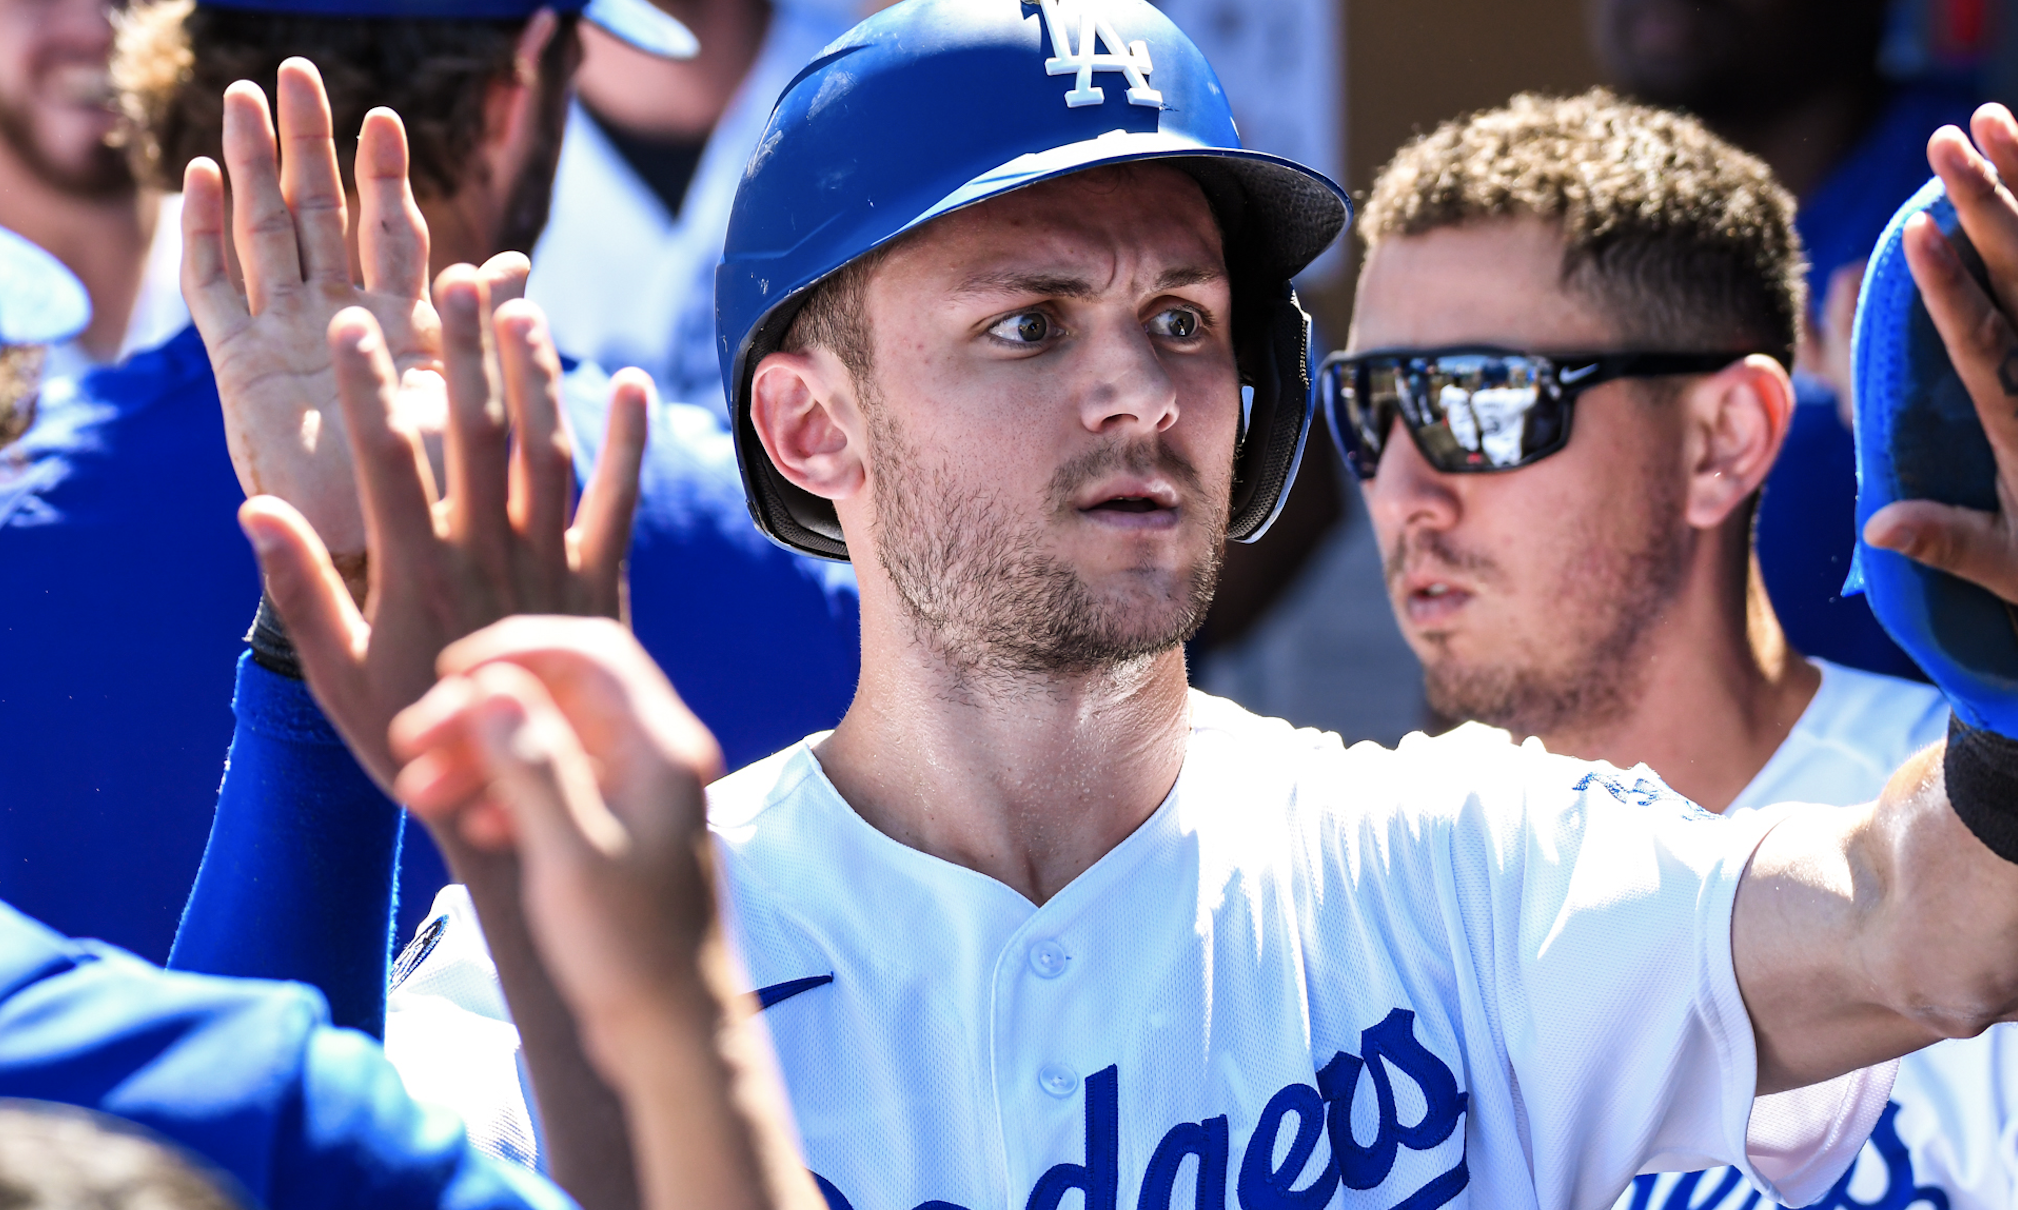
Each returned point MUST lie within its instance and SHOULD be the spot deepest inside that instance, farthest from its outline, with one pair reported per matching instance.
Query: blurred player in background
(1596, 585)
(67, 185)
(653, 152)
(1798, 83)
(120, 526)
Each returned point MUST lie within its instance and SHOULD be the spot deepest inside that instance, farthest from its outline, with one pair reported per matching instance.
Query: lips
(1430, 600)
(1132, 502)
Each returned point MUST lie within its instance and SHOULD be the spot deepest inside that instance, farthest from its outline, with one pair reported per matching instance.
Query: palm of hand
(282, 417)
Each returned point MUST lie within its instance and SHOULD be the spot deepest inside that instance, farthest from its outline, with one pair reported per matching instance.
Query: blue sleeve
(246, 1073)
(298, 879)
(360, 1140)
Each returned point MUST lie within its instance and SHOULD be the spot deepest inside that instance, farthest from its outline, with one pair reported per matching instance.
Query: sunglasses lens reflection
(1466, 411)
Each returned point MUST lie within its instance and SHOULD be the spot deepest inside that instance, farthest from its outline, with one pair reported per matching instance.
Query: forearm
(583, 1142)
(298, 876)
(709, 1121)
(1865, 934)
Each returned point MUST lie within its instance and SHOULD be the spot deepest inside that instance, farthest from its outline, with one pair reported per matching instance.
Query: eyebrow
(1058, 285)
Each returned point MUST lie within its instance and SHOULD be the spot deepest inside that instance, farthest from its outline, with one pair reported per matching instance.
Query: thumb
(322, 620)
(1964, 542)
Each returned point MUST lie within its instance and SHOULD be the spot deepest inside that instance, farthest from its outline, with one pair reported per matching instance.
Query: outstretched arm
(342, 404)
(560, 740)
(1863, 935)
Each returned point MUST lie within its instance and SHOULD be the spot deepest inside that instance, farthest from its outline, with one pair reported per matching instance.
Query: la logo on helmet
(1095, 30)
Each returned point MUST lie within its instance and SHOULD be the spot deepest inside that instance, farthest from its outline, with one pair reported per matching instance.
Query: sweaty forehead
(1105, 223)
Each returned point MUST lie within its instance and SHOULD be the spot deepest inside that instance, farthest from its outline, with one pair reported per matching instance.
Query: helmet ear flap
(1274, 352)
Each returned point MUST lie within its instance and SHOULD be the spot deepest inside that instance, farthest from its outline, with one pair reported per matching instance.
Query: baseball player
(1597, 588)
(1005, 320)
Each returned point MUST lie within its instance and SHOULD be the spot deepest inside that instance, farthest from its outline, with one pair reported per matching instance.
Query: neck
(1720, 691)
(103, 240)
(1027, 779)
(1804, 141)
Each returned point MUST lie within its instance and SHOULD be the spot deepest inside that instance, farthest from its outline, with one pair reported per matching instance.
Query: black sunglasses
(1476, 409)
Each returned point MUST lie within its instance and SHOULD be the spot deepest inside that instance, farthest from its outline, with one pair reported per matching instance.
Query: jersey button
(1048, 959)
(1058, 1080)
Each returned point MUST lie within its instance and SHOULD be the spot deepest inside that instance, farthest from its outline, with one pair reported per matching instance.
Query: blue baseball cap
(640, 23)
(41, 302)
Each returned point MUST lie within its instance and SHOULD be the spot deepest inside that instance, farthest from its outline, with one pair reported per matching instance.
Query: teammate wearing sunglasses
(1561, 409)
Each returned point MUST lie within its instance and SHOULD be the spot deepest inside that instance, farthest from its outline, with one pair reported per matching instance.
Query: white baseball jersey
(1462, 972)
(1949, 1138)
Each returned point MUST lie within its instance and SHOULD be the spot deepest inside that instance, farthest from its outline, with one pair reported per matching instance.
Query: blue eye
(1179, 323)
(1028, 327)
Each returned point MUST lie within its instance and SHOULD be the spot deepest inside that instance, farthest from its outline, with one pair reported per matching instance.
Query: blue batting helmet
(933, 105)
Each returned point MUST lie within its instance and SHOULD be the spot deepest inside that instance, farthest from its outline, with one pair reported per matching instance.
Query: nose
(1131, 392)
(1409, 493)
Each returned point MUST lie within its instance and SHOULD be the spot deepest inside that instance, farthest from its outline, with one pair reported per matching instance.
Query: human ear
(511, 105)
(805, 415)
(1738, 420)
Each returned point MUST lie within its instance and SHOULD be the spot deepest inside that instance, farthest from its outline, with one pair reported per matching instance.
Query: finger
(1963, 542)
(309, 180)
(214, 303)
(1980, 340)
(394, 485)
(438, 720)
(539, 771)
(440, 783)
(543, 473)
(506, 275)
(1985, 207)
(322, 621)
(604, 682)
(1996, 137)
(261, 225)
(478, 446)
(392, 239)
(603, 519)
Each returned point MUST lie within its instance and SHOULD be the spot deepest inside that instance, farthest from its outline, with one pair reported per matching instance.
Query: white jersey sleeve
(1587, 916)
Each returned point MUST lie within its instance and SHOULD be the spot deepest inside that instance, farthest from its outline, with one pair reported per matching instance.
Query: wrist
(271, 648)
(670, 1020)
(1980, 769)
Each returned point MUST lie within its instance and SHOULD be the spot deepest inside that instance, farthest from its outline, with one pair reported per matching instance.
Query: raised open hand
(1978, 329)
(289, 220)
(442, 565)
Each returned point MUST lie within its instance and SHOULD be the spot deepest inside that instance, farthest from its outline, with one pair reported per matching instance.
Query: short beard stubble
(1609, 601)
(105, 175)
(978, 586)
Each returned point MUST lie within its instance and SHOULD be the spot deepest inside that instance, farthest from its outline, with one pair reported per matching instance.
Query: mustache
(1418, 548)
(1139, 456)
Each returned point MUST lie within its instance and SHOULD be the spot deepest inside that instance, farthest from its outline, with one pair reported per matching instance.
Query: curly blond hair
(173, 60)
(1687, 240)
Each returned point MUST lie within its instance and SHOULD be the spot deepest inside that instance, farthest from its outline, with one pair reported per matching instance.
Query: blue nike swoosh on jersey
(778, 993)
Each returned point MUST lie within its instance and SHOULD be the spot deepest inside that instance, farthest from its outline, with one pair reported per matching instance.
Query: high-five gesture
(376, 428)
(499, 542)
(289, 221)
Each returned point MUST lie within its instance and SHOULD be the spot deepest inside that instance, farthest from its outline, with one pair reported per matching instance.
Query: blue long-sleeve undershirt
(299, 878)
